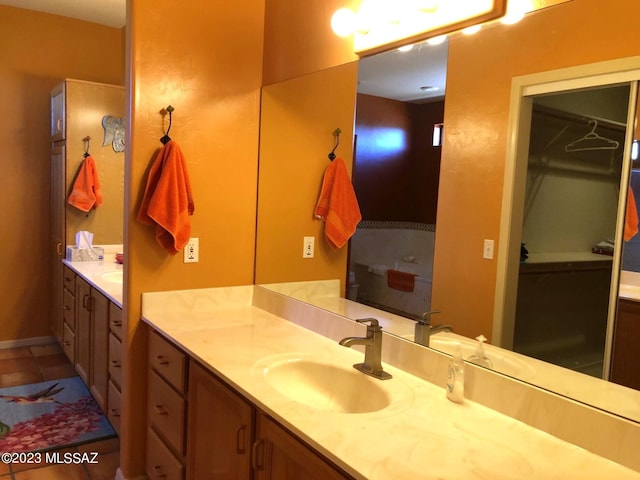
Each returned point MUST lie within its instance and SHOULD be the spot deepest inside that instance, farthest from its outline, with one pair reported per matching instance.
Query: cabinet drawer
(115, 320)
(69, 308)
(160, 463)
(167, 361)
(69, 342)
(114, 404)
(69, 279)
(115, 360)
(166, 412)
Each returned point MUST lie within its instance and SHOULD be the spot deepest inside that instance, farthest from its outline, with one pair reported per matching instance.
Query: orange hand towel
(167, 202)
(86, 188)
(631, 217)
(337, 205)
(402, 281)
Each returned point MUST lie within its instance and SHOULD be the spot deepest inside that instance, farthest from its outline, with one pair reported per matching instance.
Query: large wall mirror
(539, 142)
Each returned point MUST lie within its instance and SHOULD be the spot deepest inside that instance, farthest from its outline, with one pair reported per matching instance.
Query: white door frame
(523, 88)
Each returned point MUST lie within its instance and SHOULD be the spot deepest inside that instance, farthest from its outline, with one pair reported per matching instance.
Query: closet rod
(579, 118)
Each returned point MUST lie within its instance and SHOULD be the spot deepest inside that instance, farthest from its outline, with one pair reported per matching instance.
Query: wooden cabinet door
(99, 376)
(219, 430)
(278, 455)
(83, 329)
(625, 369)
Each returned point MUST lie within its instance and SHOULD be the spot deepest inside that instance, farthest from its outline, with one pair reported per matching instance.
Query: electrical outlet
(308, 247)
(487, 251)
(191, 251)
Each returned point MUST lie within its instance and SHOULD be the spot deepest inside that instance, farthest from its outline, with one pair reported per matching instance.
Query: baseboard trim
(27, 342)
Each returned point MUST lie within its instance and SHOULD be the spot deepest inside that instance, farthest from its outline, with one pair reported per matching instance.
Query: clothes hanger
(592, 141)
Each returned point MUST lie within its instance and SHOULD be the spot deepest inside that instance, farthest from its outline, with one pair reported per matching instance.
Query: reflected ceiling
(111, 13)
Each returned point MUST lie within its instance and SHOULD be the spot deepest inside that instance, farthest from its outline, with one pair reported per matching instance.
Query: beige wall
(479, 76)
(38, 51)
(205, 59)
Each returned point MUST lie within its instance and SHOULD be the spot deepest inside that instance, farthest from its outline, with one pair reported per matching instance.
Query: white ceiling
(105, 12)
(396, 75)
(400, 75)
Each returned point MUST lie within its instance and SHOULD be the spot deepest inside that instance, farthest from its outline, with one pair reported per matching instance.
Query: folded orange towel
(337, 205)
(167, 201)
(86, 188)
(631, 217)
(402, 281)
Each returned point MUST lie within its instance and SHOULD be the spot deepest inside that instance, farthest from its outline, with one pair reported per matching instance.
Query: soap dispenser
(479, 357)
(455, 377)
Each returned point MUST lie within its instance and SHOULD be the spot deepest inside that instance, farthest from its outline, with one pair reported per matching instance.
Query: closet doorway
(564, 198)
(573, 187)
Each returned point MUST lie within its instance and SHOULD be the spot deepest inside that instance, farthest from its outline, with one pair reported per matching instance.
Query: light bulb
(516, 10)
(471, 30)
(343, 22)
(437, 40)
(405, 48)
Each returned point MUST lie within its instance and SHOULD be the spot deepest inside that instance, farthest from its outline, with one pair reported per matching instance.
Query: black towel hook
(86, 141)
(166, 137)
(332, 154)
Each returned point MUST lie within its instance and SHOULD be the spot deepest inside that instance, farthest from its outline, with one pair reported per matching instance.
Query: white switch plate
(309, 244)
(487, 251)
(191, 251)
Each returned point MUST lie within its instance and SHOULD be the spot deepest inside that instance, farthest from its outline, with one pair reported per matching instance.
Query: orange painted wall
(38, 51)
(299, 40)
(205, 59)
(299, 117)
(479, 76)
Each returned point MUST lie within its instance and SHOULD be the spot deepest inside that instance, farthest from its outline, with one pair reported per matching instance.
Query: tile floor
(23, 365)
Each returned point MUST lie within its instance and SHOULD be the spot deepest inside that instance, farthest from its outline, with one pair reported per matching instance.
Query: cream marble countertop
(629, 285)
(421, 435)
(94, 273)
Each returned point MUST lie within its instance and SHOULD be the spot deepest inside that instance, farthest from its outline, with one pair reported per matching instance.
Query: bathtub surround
(379, 247)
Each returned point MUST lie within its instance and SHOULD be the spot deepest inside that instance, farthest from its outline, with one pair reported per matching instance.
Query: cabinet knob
(116, 363)
(162, 360)
(66, 307)
(115, 412)
(160, 410)
(158, 473)
(116, 323)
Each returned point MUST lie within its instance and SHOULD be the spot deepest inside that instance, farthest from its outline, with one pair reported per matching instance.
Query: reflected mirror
(611, 181)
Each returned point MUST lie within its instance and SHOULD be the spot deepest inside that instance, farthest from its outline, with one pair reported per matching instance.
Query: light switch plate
(487, 251)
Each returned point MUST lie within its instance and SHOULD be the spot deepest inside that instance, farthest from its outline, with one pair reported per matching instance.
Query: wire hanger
(332, 154)
(592, 141)
(166, 139)
(86, 141)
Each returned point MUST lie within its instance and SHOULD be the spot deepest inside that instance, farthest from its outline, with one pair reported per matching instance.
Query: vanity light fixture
(380, 25)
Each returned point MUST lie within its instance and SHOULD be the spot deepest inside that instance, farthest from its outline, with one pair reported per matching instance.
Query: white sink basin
(112, 277)
(325, 386)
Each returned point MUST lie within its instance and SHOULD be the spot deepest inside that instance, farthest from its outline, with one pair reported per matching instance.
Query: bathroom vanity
(92, 327)
(252, 392)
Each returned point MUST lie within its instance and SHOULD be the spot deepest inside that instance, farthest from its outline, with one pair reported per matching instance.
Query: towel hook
(86, 141)
(332, 154)
(166, 137)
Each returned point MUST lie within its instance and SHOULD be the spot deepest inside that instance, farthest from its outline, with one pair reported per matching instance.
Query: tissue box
(75, 254)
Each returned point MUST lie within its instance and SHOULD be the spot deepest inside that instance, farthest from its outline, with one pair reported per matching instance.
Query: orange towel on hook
(402, 281)
(337, 205)
(167, 202)
(86, 192)
(631, 217)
